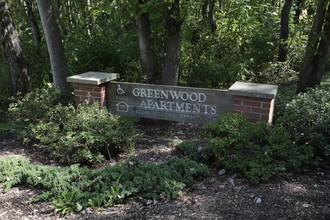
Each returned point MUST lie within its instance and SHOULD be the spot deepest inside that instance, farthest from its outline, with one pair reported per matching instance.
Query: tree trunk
(34, 25)
(13, 52)
(146, 46)
(54, 45)
(211, 16)
(284, 31)
(317, 49)
(170, 74)
(208, 12)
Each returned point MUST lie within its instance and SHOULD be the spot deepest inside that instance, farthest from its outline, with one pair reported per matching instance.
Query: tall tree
(284, 31)
(208, 12)
(317, 48)
(147, 52)
(173, 22)
(54, 45)
(13, 51)
(34, 24)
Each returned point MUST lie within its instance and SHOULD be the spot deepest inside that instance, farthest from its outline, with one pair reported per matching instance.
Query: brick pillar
(254, 108)
(255, 101)
(91, 86)
(93, 93)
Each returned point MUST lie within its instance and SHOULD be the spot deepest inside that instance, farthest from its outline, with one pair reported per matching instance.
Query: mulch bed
(300, 196)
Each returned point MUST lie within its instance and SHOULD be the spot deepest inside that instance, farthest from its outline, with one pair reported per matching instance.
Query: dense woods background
(204, 43)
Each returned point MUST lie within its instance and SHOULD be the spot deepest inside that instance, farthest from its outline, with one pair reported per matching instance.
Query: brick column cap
(253, 90)
(93, 78)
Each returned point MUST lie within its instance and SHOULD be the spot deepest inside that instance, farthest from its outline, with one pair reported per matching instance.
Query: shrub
(29, 110)
(307, 117)
(257, 151)
(195, 151)
(87, 134)
(72, 188)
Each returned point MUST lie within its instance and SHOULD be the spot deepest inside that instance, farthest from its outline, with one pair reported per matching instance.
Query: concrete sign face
(174, 103)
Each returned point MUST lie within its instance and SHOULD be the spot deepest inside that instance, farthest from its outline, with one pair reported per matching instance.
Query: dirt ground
(300, 196)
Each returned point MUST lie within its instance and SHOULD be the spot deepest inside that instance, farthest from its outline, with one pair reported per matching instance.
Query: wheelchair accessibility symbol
(120, 91)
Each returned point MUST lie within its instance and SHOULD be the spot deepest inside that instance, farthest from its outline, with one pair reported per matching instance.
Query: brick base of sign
(93, 93)
(255, 101)
(255, 109)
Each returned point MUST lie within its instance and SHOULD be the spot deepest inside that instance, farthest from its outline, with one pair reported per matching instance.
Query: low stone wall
(255, 101)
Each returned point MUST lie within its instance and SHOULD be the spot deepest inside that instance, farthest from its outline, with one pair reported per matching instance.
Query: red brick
(87, 88)
(265, 105)
(76, 87)
(97, 94)
(99, 89)
(80, 93)
(238, 101)
(242, 108)
(260, 110)
(252, 98)
(252, 103)
(251, 115)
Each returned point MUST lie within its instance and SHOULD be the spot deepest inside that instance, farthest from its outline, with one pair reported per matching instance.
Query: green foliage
(308, 119)
(67, 202)
(73, 188)
(257, 151)
(33, 107)
(87, 134)
(5, 127)
(195, 151)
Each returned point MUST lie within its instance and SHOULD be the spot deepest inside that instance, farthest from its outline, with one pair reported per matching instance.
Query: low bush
(86, 134)
(73, 188)
(29, 110)
(256, 151)
(195, 151)
(307, 117)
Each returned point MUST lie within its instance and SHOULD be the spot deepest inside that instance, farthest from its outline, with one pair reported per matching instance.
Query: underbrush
(74, 188)
(256, 151)
(85, 134)
(307, 117)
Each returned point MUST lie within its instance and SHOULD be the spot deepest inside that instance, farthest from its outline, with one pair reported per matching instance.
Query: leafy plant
(86, 134)
(74, 188)
(308, 119)
(67, 202)
(257, 151)
(195, 151)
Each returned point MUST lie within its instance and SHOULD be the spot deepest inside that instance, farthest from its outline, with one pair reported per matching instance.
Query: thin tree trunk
(317, 49)
(284, 31)
(54, 45)
(146, 46)
(170, 74)
(34, 25)
(211, 16)
(13, 51)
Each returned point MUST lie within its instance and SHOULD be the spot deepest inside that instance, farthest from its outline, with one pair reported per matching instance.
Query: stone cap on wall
(93, 78)
(253, 90)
